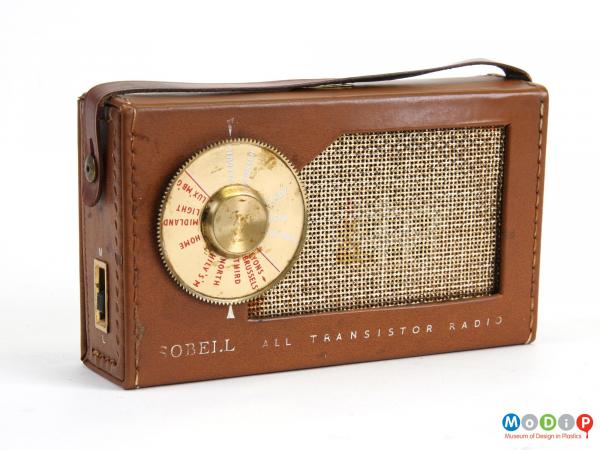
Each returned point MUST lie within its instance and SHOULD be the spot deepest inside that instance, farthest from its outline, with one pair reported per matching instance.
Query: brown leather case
(141, 132)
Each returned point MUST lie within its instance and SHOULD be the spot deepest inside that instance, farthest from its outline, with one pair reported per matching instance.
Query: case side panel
(101, 261)
(537, 234)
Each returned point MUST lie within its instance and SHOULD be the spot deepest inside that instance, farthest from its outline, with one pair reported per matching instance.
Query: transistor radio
(249, 228)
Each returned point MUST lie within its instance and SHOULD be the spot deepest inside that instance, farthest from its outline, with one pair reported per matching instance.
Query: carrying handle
(92, 162)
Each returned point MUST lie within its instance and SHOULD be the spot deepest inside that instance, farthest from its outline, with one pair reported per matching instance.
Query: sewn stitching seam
(136, 330)
(117, 228)
(535, 224)
(101, 356)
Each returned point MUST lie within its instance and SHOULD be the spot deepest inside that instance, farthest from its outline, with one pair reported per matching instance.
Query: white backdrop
(51, 52)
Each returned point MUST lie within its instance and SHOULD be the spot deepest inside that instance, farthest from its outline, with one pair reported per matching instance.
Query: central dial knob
(235, 220)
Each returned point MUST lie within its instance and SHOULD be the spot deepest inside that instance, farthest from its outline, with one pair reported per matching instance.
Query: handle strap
(96, 97)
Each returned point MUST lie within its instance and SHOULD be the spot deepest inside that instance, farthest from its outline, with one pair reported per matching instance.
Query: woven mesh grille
(397, 218)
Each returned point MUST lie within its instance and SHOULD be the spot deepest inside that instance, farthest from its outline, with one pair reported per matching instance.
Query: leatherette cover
(159, 334)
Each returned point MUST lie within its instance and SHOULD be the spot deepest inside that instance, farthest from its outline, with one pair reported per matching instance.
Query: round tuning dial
(232, 221)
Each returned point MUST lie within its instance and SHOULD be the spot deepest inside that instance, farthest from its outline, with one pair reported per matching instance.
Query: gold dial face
(232, 221)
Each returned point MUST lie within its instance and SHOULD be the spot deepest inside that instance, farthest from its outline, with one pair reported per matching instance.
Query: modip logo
(547, 426)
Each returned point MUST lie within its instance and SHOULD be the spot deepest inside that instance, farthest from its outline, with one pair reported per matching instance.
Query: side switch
(101, 295)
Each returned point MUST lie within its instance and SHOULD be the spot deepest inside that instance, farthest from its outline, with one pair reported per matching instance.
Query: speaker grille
(397, 218)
